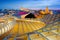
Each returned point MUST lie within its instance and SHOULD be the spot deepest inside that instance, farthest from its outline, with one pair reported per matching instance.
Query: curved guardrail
(52, 26)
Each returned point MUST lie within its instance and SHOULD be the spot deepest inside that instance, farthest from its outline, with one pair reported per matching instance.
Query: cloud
(41, 4)
(30, 4)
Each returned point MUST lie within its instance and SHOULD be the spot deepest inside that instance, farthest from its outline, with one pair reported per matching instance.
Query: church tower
(47, 10)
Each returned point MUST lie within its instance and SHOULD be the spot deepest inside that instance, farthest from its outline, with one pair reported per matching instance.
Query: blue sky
(31, 4)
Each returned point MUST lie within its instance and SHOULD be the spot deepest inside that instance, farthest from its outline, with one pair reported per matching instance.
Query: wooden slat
(33, 24)
(29, 27)
(25, 27)
(15, 29)
(21, 29)
(32, 27)
(38, 26)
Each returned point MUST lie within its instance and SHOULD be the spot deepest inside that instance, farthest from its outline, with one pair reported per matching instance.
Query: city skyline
(31, 4)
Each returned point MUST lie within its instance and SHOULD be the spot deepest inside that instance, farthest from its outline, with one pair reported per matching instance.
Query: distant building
(24, 9)
(39, 14)
(43, 12)
(46, 10)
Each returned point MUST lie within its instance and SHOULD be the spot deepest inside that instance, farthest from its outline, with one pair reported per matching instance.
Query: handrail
(49, 26)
